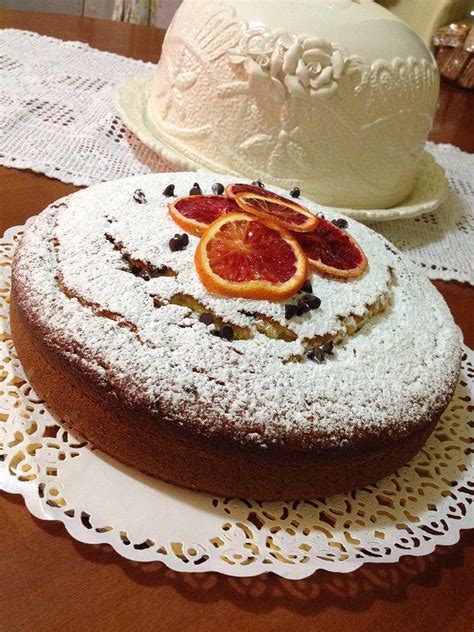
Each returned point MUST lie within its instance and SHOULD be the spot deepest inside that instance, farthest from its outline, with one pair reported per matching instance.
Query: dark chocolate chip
(139, 197)
(290, 310)
(143, 274)
(218, 188)
(307, 287)
(301, 308)
(227, 332)
(196, 189)
(182, 237)
(169, 191)
(206, 318)
(295, 192)
(178, 242)
(328, 347)
(313, 302)
(340, 223)
(317, 355)
(174, 245)
(258, 183)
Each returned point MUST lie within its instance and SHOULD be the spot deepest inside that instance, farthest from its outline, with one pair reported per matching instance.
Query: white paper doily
(424, 504)
(57, 117)
(430, 189)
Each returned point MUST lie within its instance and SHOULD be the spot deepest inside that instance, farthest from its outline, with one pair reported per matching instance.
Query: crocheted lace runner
(424, 504)
(57, 117)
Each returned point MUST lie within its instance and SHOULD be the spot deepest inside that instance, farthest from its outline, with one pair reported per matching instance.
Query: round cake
(117, 333)
(330, 87)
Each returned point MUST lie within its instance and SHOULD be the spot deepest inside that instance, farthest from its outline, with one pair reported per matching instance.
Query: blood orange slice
(194, 213)
(332, 251)
(263, 203)
(240, 255)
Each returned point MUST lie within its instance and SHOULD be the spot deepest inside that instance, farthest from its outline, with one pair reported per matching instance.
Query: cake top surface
(75, 275)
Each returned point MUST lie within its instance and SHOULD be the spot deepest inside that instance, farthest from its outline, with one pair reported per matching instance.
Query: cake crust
(141, 378)
(141, 441)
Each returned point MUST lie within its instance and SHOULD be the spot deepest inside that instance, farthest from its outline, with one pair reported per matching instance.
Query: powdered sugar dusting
(386, 378)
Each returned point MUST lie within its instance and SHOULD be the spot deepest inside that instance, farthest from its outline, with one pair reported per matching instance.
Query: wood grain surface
(50, 582)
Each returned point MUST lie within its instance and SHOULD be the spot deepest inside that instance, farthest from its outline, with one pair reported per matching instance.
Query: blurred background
(424, 16)
(150, 12)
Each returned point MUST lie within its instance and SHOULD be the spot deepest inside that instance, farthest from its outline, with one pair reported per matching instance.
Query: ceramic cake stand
(430, 189)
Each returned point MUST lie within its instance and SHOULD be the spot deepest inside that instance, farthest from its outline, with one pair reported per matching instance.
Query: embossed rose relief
(298, 65)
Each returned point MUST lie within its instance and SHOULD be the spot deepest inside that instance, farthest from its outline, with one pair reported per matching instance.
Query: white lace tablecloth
(57, 117)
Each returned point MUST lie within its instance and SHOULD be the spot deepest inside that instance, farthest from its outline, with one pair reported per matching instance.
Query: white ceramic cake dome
(334, 96)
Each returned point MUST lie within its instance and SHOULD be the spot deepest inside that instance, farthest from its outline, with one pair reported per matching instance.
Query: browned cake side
(143, 441)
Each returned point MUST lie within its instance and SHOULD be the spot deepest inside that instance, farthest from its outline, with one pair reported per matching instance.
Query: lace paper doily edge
(297, 572)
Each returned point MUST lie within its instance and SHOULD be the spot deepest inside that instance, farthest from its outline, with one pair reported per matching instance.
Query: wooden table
(51, 582)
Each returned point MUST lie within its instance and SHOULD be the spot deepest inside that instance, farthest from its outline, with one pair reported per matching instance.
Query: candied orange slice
(333, 251)
(194, 213)
(240, 255)
(262, 203)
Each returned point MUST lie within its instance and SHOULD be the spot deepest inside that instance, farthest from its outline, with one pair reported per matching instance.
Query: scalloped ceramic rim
(131, 98)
